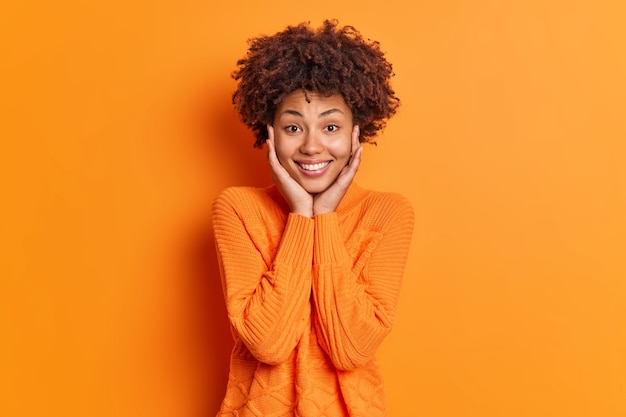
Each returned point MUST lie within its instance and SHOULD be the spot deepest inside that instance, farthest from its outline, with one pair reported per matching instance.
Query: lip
(316, 173)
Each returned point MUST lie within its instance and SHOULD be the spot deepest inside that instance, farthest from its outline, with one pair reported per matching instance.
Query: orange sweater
(309, 300)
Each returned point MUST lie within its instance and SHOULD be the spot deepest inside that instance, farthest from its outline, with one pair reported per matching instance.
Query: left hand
(328, 200)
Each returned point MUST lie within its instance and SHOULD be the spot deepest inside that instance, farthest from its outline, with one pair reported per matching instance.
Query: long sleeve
(267, 294)
(356, 289)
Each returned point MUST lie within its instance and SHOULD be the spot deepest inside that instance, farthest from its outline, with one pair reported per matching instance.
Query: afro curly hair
(329, 60)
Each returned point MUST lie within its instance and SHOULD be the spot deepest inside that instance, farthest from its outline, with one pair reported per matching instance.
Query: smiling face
(313, 139)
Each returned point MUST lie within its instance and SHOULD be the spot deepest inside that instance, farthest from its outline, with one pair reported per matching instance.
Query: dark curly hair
(329, 60)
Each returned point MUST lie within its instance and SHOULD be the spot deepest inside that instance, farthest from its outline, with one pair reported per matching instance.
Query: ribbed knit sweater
(309, 300)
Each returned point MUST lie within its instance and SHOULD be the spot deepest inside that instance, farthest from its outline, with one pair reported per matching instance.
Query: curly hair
(329, 60)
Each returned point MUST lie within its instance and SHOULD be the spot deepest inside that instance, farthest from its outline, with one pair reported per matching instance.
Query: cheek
(342, 149)
(282, 151)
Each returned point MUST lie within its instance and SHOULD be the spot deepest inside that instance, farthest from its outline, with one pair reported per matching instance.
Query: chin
(315, 189)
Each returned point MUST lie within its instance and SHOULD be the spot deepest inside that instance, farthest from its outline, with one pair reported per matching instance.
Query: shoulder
(246, 200)
(234, 196)
(385, 209)
(388, 201)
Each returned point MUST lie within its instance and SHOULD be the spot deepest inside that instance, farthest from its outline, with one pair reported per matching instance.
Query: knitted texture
(309, 300)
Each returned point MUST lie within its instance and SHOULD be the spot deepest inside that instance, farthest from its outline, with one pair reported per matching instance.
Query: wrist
(323, 209)
(308, 214)
(303, 211)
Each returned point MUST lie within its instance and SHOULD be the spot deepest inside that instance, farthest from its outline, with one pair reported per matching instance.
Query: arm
(356, 299)
(267, 299)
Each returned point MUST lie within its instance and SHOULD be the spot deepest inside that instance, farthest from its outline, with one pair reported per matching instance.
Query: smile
(313, 167)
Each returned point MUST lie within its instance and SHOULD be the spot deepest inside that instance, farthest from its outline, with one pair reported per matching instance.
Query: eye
(331, 128)
(292, 129)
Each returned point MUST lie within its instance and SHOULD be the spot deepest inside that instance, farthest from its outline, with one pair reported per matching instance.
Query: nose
(311, 143)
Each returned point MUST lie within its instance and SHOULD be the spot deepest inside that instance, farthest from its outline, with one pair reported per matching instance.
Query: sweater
(309, 300)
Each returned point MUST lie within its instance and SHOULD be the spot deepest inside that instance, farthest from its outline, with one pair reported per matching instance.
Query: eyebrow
(322, 114)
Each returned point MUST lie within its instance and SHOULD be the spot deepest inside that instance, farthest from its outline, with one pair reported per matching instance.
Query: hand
(299, 200)
(328, 200)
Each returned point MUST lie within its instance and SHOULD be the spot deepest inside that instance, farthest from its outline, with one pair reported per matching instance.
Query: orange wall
(117, 133)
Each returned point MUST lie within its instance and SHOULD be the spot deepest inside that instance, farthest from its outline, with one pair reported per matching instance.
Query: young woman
(311, 266)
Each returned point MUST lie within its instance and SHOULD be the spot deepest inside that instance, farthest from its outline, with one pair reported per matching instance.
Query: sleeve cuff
(328, 245)
(296, 246)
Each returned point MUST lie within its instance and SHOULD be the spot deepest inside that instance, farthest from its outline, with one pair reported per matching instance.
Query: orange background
(117, 134)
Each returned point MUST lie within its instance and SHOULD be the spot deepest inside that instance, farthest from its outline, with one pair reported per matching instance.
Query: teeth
(314, 167)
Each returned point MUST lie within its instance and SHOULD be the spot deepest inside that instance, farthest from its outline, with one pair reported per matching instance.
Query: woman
(311, 266)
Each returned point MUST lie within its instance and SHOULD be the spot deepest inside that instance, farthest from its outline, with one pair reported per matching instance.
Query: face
(313, 139)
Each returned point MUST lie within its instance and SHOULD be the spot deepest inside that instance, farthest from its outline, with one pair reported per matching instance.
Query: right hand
(299, 200)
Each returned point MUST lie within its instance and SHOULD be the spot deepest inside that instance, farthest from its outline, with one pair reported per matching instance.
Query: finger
(347, 174)
(355, 162)
(355, 142)
(270, 136)
(357, 149)
(271, 150)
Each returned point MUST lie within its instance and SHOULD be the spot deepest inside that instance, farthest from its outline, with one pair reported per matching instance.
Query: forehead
(312, 103)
